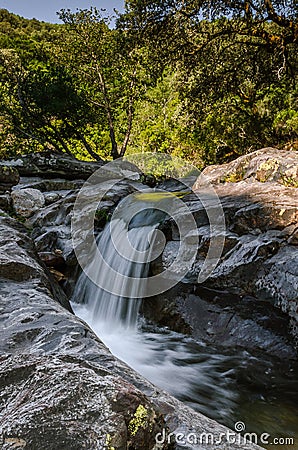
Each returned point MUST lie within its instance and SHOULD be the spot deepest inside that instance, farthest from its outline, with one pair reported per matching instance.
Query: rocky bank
(258, 269)
(61, 388)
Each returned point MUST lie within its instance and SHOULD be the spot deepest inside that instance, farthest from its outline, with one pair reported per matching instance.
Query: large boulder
(27, 201)
(9, 176)
(260, 254)
(267, 164)
(19, 261)
(53, 165)
(52, 224)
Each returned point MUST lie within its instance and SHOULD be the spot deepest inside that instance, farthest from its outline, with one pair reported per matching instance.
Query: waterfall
(125, 246)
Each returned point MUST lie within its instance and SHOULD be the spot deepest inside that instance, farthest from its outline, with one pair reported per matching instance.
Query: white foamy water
(129, 270)
(204, 377)
(167, 359)
(172, 362)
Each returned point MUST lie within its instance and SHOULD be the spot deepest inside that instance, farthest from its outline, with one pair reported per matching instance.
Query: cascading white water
(125, 250)
(223, 383)
(126, 246)
(203, 376)
(114, 318)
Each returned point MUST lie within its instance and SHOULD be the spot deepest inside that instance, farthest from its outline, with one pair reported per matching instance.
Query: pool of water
(228, 385)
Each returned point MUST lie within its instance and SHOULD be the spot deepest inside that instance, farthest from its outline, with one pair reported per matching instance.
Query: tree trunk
(114, 151)
(88, 147)
(129, 113)
(82, 138)
(128, 131)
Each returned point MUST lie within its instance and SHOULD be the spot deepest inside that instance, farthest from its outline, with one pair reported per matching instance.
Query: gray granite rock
(27, 201)
(60, 387)
(9, 177)
(264, 165)
(260, 254)
(53, 165)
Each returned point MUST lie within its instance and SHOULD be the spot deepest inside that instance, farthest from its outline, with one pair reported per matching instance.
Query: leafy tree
(238, 68)
(162, 123)
(42, 104)
(233, 93)
(207, 80)
(186, 16)
(110, 67)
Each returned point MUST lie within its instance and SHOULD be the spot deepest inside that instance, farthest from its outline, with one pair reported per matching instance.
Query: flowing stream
(225, 384)
(109, 310)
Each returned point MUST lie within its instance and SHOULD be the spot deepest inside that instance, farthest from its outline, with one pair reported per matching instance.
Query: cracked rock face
(260, 254)
(60, 387)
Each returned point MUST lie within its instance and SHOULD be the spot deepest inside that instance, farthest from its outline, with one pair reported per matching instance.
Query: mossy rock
(267, 170)
(9, 176)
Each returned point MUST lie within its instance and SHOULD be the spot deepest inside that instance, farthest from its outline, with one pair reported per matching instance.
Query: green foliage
(162, 122)
(30, 38)
(42, 106)
(289, 181)
(42, 103)
(234, 125)
(158, 166)
(206, 81)
(101, 217)
(237, 73)
(110, 67)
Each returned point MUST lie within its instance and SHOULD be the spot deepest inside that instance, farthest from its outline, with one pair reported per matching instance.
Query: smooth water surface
(228, 385)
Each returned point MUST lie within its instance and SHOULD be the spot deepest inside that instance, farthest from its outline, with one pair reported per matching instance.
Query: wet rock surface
(60, 387)
(260, 254)
(223, 319)
(263, 228)
(58, 382)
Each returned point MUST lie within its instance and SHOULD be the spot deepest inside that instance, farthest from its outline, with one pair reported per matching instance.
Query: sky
(46, 9)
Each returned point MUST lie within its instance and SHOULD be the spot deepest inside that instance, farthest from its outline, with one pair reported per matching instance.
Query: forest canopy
(205, 80)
